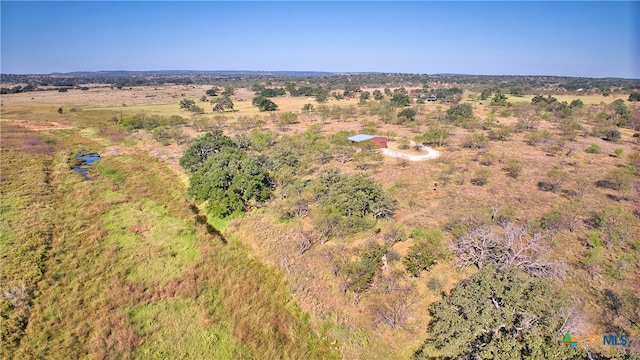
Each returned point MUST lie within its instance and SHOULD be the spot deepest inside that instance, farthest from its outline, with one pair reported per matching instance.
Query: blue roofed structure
(361, 137)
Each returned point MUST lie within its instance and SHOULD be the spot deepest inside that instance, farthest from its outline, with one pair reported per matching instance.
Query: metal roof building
(381, 141)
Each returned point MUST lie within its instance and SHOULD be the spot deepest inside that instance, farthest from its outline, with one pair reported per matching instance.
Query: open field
(121, 266)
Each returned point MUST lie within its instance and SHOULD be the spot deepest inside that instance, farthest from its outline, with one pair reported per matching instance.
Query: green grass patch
(179, 329)
(162, 245)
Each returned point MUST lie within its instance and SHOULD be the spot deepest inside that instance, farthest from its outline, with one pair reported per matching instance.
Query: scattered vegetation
(199, 223)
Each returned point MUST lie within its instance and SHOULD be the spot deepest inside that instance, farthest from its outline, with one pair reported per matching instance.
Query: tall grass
(118, 267)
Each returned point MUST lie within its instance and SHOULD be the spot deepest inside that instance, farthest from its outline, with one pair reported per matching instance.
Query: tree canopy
(223, 104)
(459, 112)
(231, 180)
(498, 313)
(205, 145)
(354, 195)
(408, 113)
(264, 104)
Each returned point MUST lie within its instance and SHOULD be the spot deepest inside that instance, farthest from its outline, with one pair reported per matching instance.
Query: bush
(133, 122)
(613, 135)
(475, 141)
(500, 134)
(618, 152)
(459, 112)
(513, 168)
(488, 159)
(594, 149)
(537, 137)
(435, 137)
(264, 104)
(360, 274)
(618, 179)
(407, 113)
(481, 177)
(425, 252)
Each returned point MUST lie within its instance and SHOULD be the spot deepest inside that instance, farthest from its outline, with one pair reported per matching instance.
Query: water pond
(84, 160)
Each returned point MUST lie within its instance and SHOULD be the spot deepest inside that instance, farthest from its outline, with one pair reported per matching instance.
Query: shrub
(425, 252)
(475, 141)
(459, 112)
(513, 168)
(133, 122)
(407, 113)
(613, 135)
(537, 137)
(264, 104)
(481, 177)
(501, 134)
(488, 159)
(360, 274)
(617, 179)
(618, 152)
(577, 103)
(435, 137)
(594, 149)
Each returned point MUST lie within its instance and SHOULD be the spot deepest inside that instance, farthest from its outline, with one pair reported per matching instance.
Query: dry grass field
(137, 207)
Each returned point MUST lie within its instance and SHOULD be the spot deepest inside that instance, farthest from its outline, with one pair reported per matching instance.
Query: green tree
(364, 96)
(357, 195)
(212, 92)
(498, 313)
(425, 252)
(204, 146)
(264, 104)
(187, 104)
(634, 96)
(378, 95)
(577, 103)
(499, 99)
(307, 107)
(408, 113)
(475, 141)
(485, 94)
(288, 118)
(459, 112)
(231, 181)
(435, 137)
(222, 104)
(400, 98)
(322, 97)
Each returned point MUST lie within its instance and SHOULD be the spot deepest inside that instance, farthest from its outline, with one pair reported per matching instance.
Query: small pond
(84, 160)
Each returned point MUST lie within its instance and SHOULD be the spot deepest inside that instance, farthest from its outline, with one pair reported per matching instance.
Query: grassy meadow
(125, 266)
(119, 266)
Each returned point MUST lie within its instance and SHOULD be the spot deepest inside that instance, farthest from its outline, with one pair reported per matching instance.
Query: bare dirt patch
(40, 126)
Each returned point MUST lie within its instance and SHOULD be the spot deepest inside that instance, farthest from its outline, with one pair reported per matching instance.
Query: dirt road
(430, 154)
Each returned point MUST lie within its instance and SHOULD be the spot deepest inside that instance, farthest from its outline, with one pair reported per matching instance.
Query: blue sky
(590, 39)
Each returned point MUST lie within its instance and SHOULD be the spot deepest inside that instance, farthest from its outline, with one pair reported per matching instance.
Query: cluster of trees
(227, 174)
(190, 105)
(499, 312)
(18, 89)
(268, 92)
(264, 104)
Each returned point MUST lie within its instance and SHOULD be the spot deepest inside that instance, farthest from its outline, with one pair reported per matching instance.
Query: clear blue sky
(591, 39)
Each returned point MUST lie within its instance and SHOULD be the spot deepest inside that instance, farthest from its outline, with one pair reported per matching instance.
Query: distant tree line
(321, 83)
